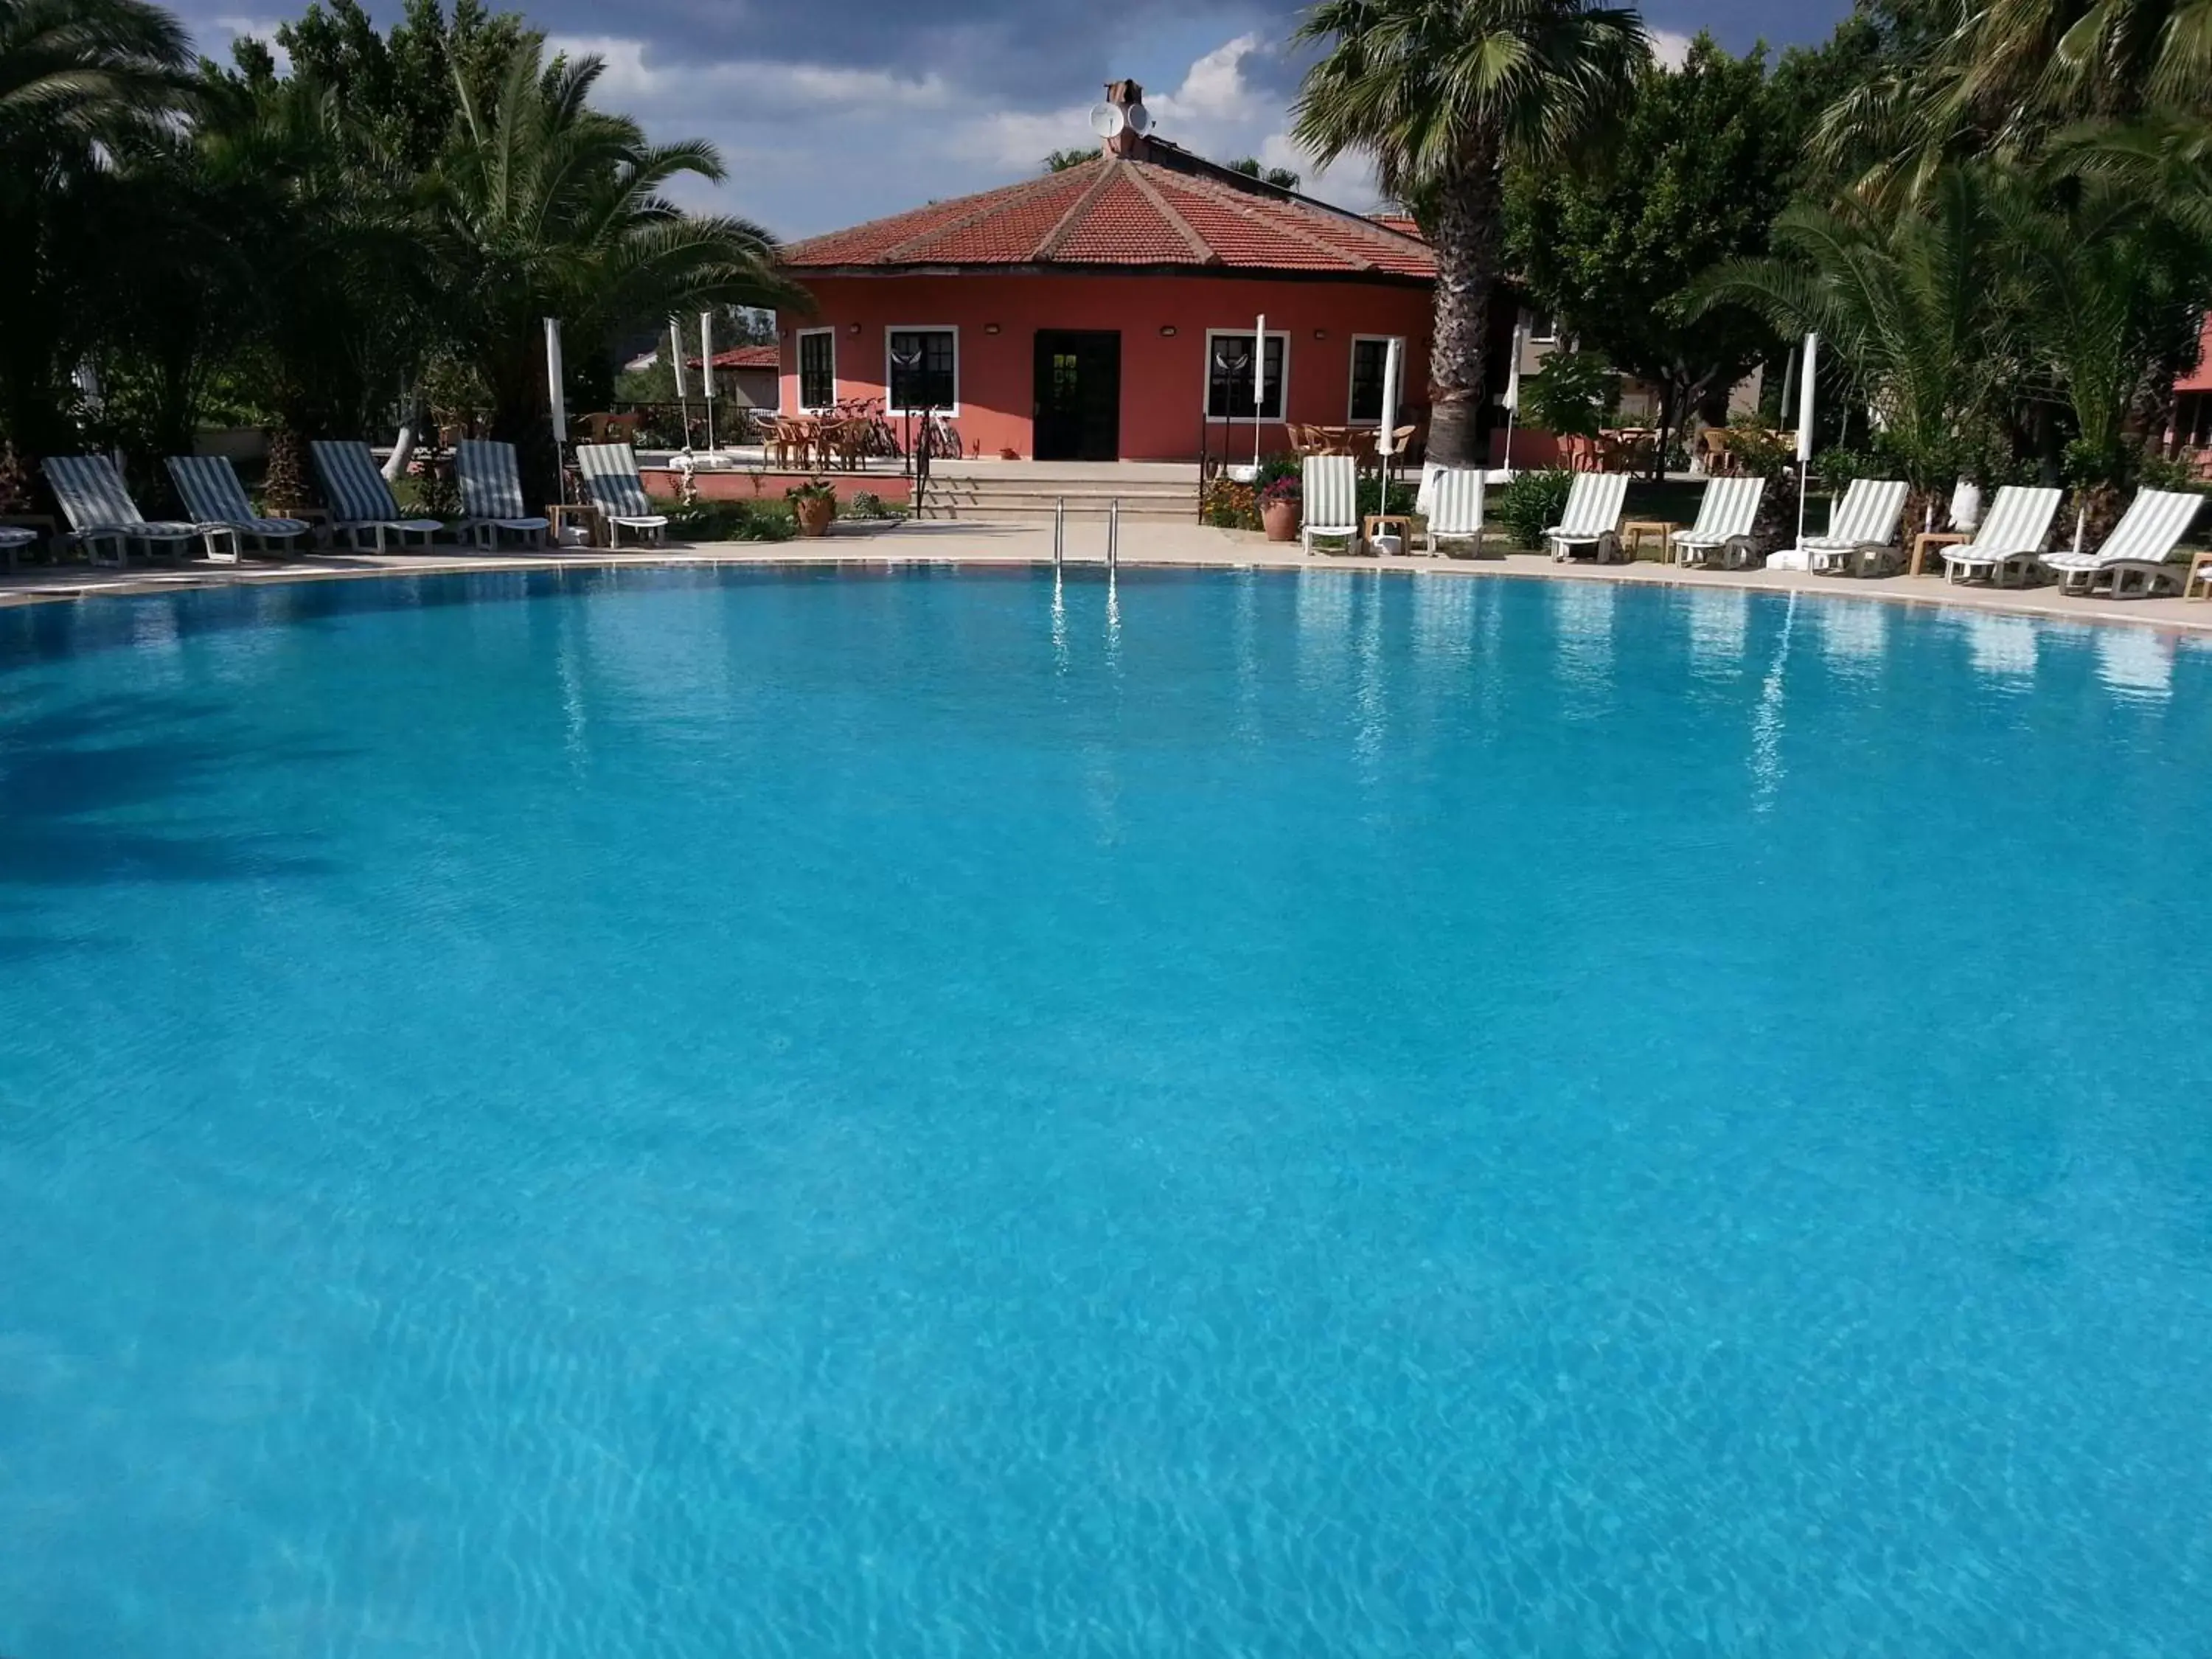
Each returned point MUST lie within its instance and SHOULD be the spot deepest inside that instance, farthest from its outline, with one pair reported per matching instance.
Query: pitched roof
(1164, 208)
(750, 356)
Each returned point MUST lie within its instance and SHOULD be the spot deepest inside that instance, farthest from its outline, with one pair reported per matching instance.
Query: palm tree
(2108, 292)
(1441, 95)
(2000, 77)
(79, 80)
(545, 207)
(1912, 302)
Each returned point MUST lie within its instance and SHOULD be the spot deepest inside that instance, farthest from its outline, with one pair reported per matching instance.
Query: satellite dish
(1139, 119)
(1107, 121)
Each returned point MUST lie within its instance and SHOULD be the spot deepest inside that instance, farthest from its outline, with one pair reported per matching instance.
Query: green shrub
(729, 521)
(1532, 504)
(867, 504)
(2157, 471)
(1574, 396)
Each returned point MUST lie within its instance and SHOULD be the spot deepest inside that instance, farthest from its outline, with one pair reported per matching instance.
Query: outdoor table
(1633, 531)
(2200, 576)
(1400, 525)
(1928, 539)
(562, 514)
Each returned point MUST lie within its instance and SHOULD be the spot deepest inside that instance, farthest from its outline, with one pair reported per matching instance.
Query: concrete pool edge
(956, 543)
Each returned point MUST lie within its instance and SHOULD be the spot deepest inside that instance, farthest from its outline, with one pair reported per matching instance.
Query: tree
(1913, 303)
(1699, 176)
(541, 206)
(1060, 161)
(1999, 79)
(1281, 178)
(80, 81)
(2107, 290)
(1441, 95)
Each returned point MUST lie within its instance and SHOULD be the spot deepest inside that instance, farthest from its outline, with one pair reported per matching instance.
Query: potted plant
(1280, 507)
(813, 505)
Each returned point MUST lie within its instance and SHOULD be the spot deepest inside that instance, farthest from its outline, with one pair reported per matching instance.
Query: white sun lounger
(1862, 537)
(491, 494)
(214, 496)
(1454, 506)
(2008, 547)
(1723, 531)
(2153, 527)
(360, 500)
(1329, 497)
(612, 481)
(101, 514)
(1591, 518)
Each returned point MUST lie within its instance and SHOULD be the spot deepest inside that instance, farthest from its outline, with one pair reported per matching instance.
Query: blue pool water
(699, 1115)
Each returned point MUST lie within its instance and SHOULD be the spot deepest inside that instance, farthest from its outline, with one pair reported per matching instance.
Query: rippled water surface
(695, 1116)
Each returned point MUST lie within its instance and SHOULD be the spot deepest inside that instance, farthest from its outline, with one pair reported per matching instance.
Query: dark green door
(1079, 396)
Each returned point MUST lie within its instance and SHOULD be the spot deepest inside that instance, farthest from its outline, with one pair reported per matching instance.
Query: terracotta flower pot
(813, 514)
(1280, 520)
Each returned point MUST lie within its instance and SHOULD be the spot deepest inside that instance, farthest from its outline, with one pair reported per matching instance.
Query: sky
(835, 111)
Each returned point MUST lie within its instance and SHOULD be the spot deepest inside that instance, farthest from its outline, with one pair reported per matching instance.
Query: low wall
(748, 485)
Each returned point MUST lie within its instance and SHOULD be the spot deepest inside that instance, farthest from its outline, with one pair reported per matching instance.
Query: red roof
(1404, 224)
(747, 356)
(1164, 208)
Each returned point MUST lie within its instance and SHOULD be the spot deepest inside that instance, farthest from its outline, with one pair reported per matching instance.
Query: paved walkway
(961, 542)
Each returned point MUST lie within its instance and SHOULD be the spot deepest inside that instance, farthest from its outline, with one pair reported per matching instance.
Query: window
(1543, 328)
(1369, 354)
(1228, 377)
(924, 370)
(818, 369)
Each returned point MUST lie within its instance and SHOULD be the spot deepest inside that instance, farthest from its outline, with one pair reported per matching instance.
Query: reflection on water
(1113, 622)
(2137, 663)
(1766, 720)
(1324, 617)
(1059, 625)
(1720, 622)
(1854, 635)
(1443, 617)
(2001, 647)
(1582, 611)
(1369, 698)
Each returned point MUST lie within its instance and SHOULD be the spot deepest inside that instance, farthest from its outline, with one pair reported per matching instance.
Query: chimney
(1128, 144)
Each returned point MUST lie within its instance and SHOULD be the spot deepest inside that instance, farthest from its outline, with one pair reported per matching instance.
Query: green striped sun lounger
(213, 494)
(103, 517)
(491, 494)
(359, 501)
(2134, 556)
(617, 491)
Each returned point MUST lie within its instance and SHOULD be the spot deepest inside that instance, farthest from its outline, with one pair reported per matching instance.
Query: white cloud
(1670, 47)
(811, 147)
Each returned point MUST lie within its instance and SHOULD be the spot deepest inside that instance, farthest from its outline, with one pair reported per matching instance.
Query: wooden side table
(2200, 577)
(1400, 525)
(1633, 531)
(562, 514)
(1928, 539)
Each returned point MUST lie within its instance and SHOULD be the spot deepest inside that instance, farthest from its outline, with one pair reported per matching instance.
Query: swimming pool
(716, 1114)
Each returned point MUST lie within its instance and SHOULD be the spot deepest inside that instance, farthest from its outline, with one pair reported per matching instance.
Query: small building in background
(1110, 311)
(747, 376)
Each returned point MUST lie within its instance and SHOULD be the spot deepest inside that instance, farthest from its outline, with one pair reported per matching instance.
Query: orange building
(1110, 312)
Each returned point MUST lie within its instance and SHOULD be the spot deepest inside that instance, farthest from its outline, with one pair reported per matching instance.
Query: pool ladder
(1112, 533)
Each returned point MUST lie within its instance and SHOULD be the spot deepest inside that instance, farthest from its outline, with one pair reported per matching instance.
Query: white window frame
(1550, 336)
(798, 373)
(953, 329)
(1206, 379)
(1352, 378)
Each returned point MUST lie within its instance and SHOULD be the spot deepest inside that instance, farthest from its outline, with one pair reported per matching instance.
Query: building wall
(1163, 376)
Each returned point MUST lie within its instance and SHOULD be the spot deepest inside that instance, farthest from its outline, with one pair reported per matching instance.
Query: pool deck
(1152, 544)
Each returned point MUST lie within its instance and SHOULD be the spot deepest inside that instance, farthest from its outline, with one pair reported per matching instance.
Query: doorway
(1079, 396)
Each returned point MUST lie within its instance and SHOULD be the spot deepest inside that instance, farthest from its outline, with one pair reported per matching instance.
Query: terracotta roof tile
(1169, 209)
(747, 356)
